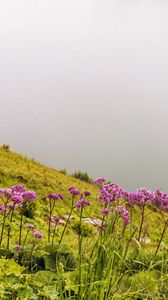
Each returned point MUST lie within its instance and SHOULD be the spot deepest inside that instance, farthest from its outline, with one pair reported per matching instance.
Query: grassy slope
(15, 168)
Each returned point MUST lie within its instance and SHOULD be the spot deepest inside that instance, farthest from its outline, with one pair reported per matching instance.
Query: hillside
(18, 169)
(60, 259)
(15, 168)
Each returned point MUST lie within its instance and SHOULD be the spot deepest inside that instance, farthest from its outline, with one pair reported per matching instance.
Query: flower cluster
(104, 211)
(29, 196)
(18, 189)
(38, 235)
(15, 196)
(55, 220)
(30, 226)
(73, 191)
(111, 192)
(18, 248)
(2, 208)
(82, 202)
(99, 181)
(161, 200)
(55, 196)
(125, 214)
(86, 193)
(141, 196)
(6, 192)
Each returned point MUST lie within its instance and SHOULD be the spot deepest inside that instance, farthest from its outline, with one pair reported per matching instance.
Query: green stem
(54, 234)
(20, 228)
(9, 230)
(80, 256)
(50, 214)
(31, 257)
(3, 223)
(66, 224)
(26, 237)
(49, 222)
(142, 221)
(161, 238)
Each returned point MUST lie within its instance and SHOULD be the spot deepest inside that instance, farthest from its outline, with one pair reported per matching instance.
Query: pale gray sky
(84, 85)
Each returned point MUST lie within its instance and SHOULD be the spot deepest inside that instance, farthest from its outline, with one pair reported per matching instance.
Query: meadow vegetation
(48, 251)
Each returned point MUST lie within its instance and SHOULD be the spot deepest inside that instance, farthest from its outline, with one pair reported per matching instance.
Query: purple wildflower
(141, 196)
(86, 193)
(104, 211)
(125, 214)
(29, 196)
(82, 202)
(55, 220)
(17, 198)
(2, 208)
(18, 248)
(99, 181)
(111, 192)
(161, 200)
(6, 192)
(55, 196)
(30, 226)
(73, 191)
(18, 189)
(38, 235)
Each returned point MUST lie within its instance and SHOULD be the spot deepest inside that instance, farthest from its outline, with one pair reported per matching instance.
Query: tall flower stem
(3, 223)
(51, 208)
(102, 224)
(161, 238)
(142, 221)
(9, 229)
(49, 221)
(24, 242)
(55, 226)
(20, 227)
(31, 256)
(66, 224)
(80, 257)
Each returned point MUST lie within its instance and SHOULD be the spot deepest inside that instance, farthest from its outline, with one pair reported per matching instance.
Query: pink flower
(73, 191)
(86, 193)
(2, 208)
(82, 202)
(7, 192)
(18, 189)
(55, 220)
(30, 226)
(141, 196)
(104, 211)
(29, 196)
(99, 181)
(55, 196)
(38, 235)
(161, 200)
(18, 248)
(125, 214)
(111, 192)
(17, 198)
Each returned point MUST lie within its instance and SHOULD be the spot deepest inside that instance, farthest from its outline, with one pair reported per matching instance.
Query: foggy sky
(84, 86)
